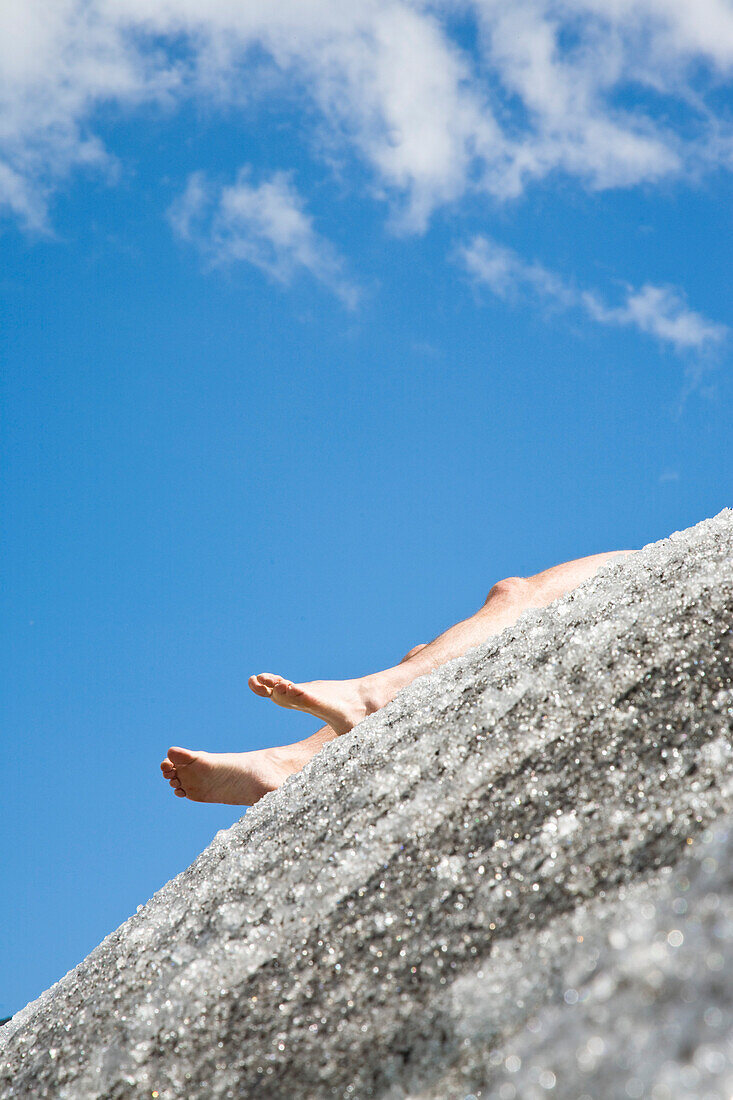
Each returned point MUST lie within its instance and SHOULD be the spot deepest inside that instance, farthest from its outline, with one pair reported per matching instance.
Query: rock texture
(514, 881)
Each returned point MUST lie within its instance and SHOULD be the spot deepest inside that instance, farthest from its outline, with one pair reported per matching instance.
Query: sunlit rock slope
(515, 881)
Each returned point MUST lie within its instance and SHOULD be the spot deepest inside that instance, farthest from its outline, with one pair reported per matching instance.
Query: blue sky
(317, 320)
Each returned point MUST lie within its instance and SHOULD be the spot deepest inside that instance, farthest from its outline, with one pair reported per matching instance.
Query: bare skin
(234, 778)
(241, 779)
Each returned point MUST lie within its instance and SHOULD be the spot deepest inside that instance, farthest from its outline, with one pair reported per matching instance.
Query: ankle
(289, 759)
(285, 758)
(380, 688)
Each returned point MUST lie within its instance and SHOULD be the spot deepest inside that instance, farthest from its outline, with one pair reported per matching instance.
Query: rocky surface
(512, 882)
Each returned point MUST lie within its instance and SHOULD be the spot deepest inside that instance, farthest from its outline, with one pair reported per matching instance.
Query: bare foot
(235, 778)
(339, 703)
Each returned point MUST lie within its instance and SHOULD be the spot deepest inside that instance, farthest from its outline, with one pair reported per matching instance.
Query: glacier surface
(515, 881)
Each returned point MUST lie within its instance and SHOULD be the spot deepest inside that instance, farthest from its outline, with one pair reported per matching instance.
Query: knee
(510, 590)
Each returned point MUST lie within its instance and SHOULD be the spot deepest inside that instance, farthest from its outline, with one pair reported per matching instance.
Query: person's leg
(344, 703)
(241, 778)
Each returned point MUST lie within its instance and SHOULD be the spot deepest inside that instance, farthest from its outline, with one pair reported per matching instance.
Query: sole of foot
(231, 778)
(341, 704)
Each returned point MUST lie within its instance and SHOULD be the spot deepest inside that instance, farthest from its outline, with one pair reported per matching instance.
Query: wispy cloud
(265, 225)
(659, 311)
(609, 92)
(509, 276)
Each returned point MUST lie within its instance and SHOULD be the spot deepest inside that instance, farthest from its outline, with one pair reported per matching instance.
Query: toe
(283, 686)
(179, 793)
(286, 689)
(175, 783)
(167, 768)
(268, 681)
(258, 687)
(181, 757)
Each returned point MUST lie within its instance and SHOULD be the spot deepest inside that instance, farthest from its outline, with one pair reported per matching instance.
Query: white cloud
(24, 200)
(58, 63)
(265, 225)
(658, 311)
(508, 275)
(548, 89)
(661, 311)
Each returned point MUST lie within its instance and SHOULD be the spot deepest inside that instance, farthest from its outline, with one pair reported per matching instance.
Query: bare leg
(241, 778)
(344, 703)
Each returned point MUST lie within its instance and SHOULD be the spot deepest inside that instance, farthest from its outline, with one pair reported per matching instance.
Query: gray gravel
(514, 881)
